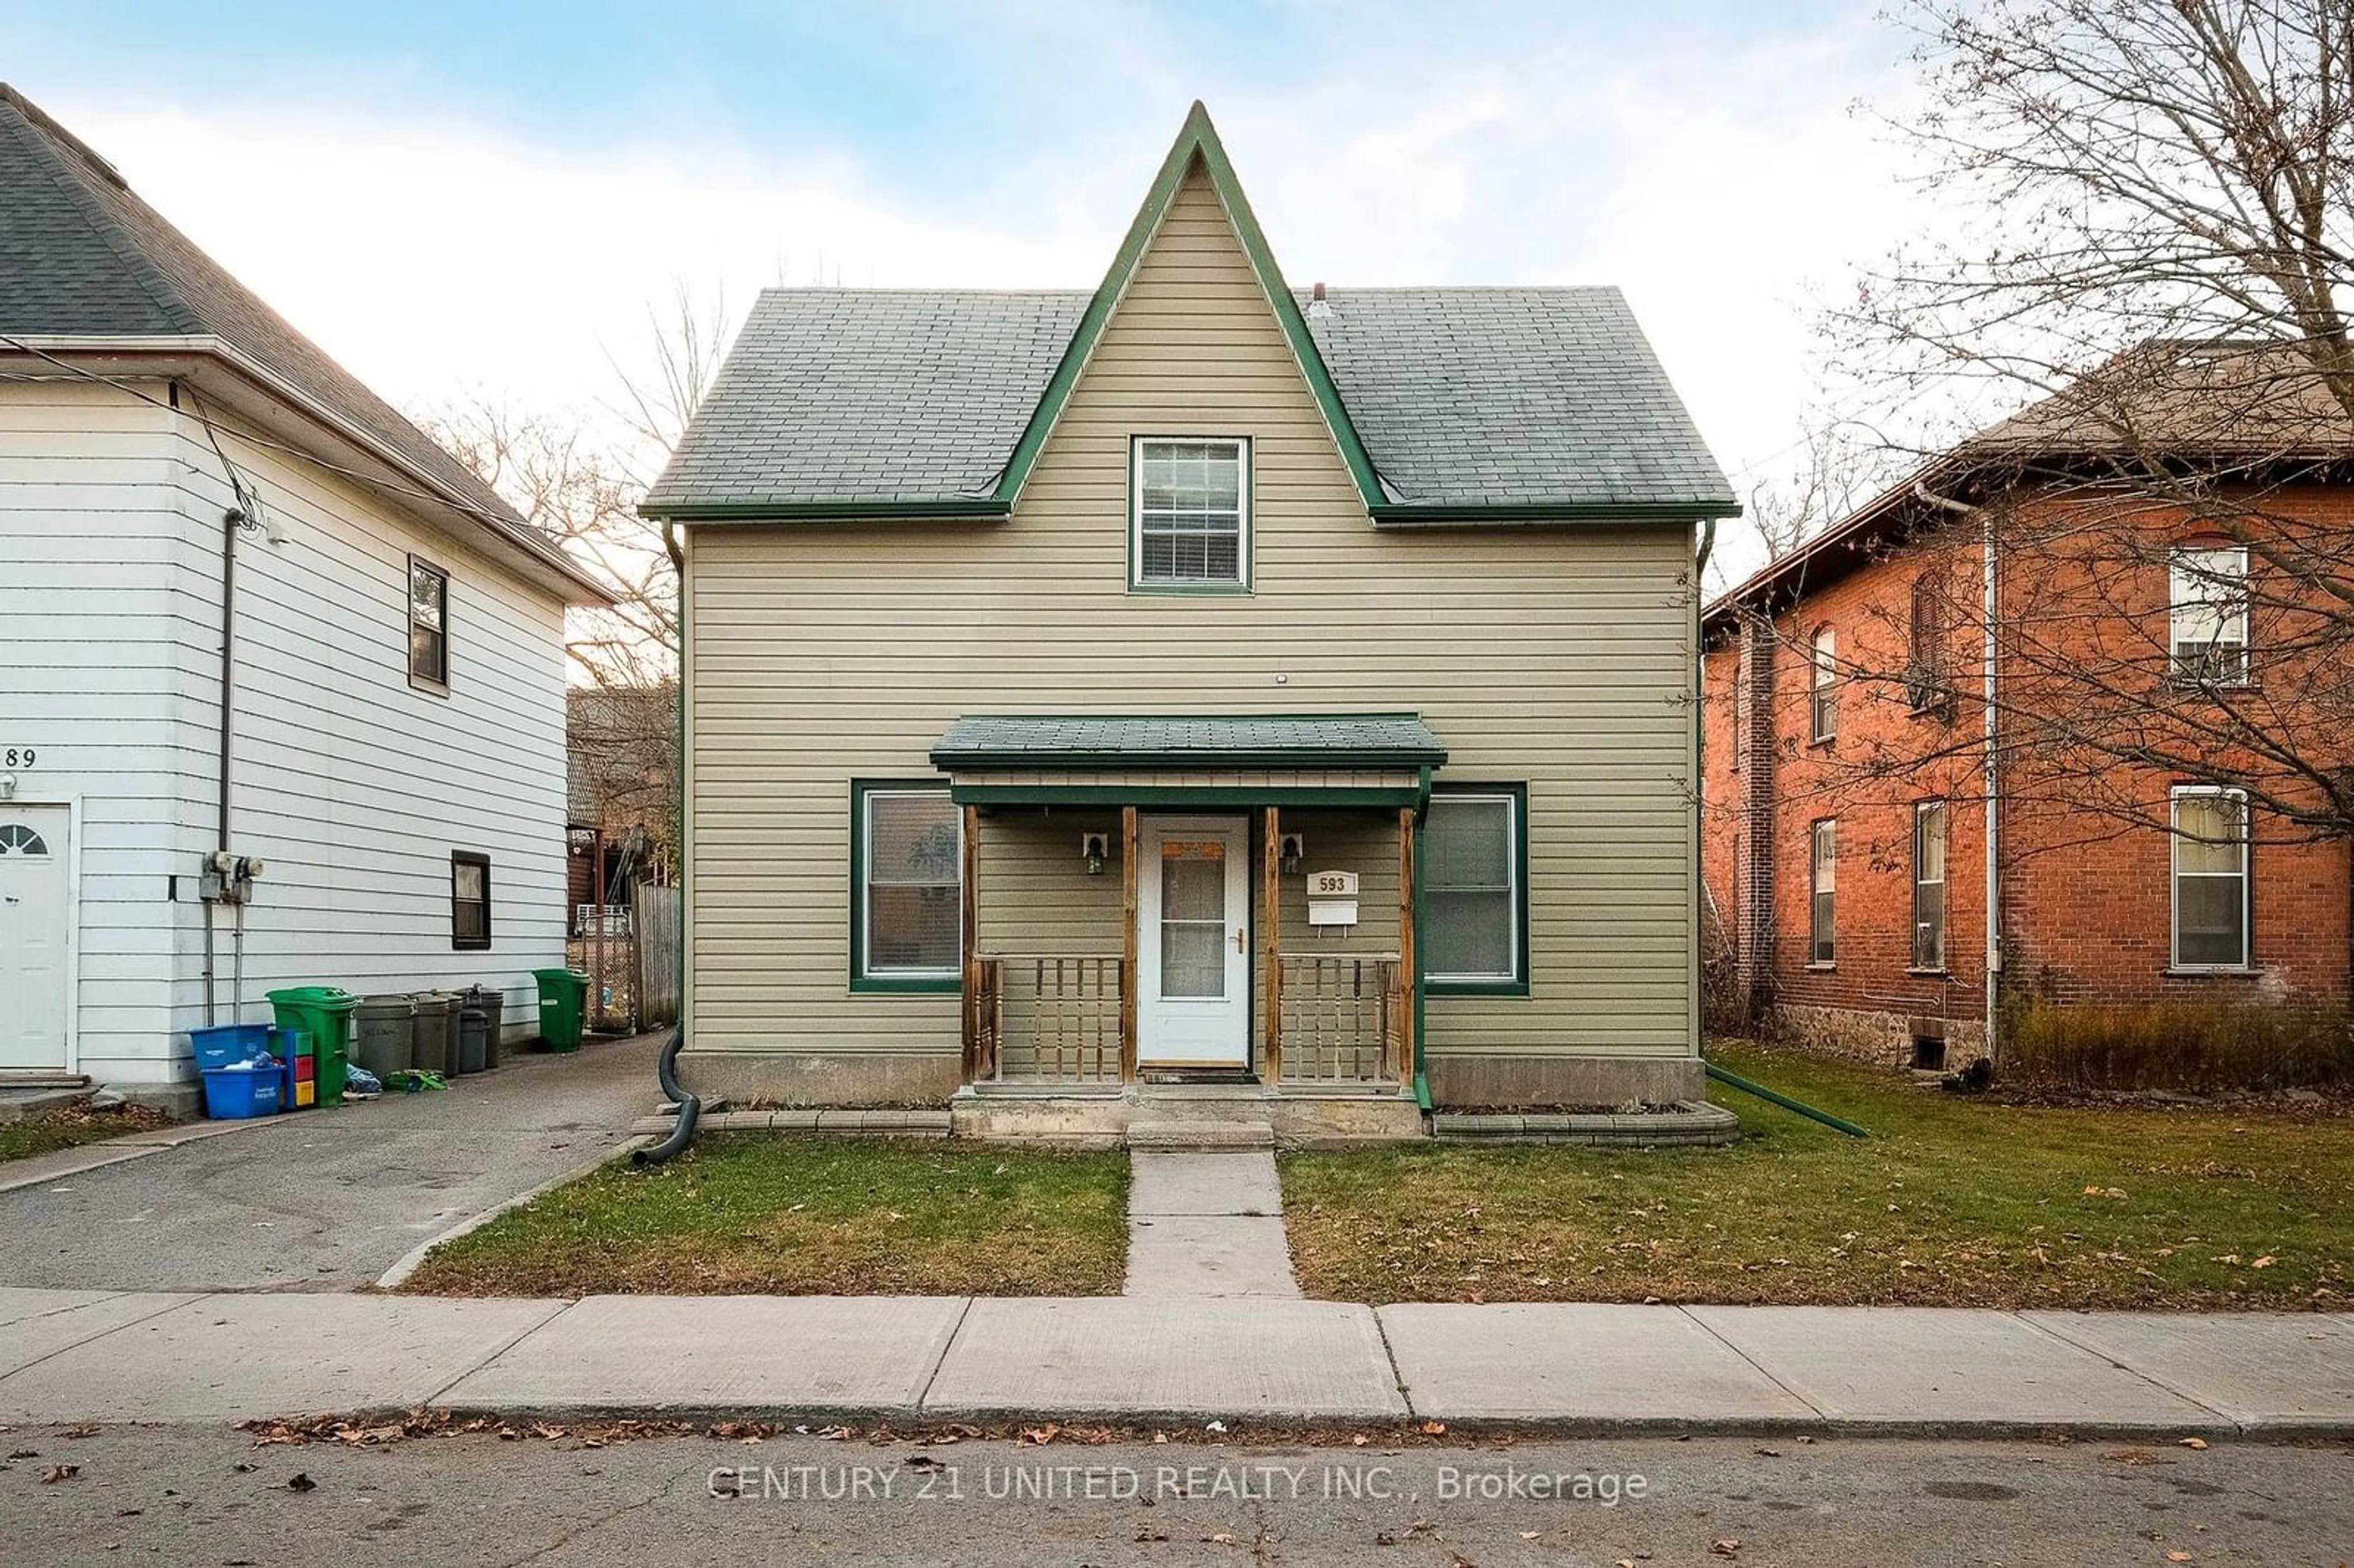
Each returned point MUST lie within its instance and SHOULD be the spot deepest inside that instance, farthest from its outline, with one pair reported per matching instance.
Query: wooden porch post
(1128, 871)
(1408, 969)
(969, 945)
(1270, 921)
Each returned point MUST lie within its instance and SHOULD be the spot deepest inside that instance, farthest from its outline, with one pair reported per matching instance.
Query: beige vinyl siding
(1559, 657)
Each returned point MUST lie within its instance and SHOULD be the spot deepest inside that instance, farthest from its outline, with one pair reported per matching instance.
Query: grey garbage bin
(491, 1005)
(436, 1037)
(471, 1027)
(385, 1037)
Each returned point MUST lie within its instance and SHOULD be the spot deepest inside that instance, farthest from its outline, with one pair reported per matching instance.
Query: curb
(392, 1278)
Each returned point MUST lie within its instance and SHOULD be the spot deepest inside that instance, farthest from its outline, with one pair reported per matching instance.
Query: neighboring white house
(391, 645)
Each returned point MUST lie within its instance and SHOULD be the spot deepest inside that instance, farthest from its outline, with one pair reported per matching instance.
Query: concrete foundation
(809, 1078)
(1110, 1118)
(1481, 1083)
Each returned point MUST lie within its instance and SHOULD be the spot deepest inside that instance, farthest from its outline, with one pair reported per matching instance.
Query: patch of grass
(72, 1127)
(1952, 1201)
(777, 1214)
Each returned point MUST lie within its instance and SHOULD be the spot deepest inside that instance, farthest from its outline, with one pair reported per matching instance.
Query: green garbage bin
(562, 996)
(324, 1014)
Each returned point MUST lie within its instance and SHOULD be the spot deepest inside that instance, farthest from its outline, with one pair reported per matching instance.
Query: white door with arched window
(36, 920)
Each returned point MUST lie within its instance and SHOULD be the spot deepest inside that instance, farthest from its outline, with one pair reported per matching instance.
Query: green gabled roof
(1197, 142)
(1188, 741)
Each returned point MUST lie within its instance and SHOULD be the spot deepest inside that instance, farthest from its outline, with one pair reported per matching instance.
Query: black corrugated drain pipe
(690, 1108)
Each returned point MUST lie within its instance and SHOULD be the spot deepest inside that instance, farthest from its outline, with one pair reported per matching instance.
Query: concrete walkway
(1206, 1224)
(125, 1356)
(320, 1199)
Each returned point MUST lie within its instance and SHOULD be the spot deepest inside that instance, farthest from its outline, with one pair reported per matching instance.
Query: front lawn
(761, 1214)
(1952, 1201)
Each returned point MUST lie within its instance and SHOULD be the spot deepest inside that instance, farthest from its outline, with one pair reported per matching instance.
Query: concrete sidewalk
(86, 1355)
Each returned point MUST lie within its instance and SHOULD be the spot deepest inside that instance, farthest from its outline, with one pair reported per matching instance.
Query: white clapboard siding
(1557, 657)
(353, 786)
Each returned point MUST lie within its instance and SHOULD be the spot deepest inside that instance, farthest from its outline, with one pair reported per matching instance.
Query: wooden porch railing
(1344, 1018)
(1044, 1016)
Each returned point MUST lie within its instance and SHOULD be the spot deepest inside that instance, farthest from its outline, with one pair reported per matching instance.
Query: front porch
(1206, 956)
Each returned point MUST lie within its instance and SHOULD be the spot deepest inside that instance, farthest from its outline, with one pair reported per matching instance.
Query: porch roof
(1167, 759)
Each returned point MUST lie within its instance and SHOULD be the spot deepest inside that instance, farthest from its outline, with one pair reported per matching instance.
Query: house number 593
(17, 757)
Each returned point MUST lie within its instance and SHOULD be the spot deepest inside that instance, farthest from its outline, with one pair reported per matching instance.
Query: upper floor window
(1191, 527)
(1823, 693)
(2210, 878)
(429, 623)
(1926, 684)
(2207, 618)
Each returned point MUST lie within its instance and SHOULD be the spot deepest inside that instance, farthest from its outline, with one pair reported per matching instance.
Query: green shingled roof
(1448, 404)
(1256, 740)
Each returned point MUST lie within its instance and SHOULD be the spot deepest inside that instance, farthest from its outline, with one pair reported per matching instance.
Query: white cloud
(435, 256)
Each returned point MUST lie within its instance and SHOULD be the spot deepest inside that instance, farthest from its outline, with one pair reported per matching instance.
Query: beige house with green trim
(1194, 688)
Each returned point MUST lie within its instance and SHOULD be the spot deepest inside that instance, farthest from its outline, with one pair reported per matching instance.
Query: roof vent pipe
(1319, 307)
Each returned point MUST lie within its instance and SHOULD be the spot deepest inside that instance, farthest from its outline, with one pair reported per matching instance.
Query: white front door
(1192, 942)
(35, 918)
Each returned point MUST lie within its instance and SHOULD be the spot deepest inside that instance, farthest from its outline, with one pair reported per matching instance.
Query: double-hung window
(908, 870)
(1822, 884)
(428, 624)
(1929, 884)
(1474, 889)
(2207, 616)
(1822, 695)
(2210, 878)
(1191, 525)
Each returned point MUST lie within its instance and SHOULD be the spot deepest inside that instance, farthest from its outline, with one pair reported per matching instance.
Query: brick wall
(2087, 900)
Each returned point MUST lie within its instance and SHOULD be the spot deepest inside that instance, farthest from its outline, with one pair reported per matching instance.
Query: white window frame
(2175, 874)
(1923, 810)
(1137, 580)
(1515, 895)
(868, 970)
(1817, 928)
(2198, 601)
(1822, 686)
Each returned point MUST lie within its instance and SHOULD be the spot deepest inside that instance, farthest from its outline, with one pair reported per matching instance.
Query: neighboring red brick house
(1847, 753)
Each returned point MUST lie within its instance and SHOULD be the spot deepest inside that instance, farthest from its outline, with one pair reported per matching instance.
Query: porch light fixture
(1094, 846)
(1295, 850)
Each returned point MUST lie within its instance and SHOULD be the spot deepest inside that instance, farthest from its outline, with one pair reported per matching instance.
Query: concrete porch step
(23, 1102)
(1159, 1133)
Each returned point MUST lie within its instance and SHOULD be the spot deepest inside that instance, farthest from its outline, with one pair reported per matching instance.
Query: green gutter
(1775, 1097)
(799, 510)
(1437, 514)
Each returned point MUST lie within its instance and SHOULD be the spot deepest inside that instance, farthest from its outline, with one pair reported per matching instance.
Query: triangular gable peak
(1197, 146)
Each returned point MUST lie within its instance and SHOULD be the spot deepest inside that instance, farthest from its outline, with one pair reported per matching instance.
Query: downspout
(690, 1107)
(231, 521)
(1991, 776)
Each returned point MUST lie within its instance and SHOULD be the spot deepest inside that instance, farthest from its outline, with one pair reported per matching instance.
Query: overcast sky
(483, 198)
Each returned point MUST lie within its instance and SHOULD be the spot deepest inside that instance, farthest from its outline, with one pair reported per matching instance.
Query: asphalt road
(327, 1199)
(205, 1494)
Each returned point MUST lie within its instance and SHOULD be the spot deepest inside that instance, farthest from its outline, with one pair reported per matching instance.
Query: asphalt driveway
(328, 1199)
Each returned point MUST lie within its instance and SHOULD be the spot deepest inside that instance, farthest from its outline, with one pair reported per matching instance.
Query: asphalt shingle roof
(1350, 740)
(82, 256)
(1462, 397)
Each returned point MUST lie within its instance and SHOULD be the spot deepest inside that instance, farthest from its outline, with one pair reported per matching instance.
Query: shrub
(2196, 1047)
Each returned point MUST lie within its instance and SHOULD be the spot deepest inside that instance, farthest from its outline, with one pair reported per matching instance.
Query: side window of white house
(428, 625)
(1475, 890)
(2210, 878)
(2206, 614)
(907, 874)
(1189, 526)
